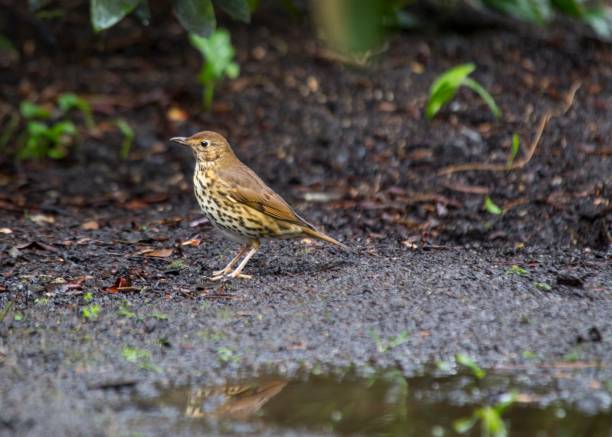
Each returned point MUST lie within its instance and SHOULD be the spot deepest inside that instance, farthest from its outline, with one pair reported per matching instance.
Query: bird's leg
(236, 273)
(218, 274)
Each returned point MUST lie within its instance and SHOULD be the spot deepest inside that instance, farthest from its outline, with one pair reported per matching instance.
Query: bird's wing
(245, 187)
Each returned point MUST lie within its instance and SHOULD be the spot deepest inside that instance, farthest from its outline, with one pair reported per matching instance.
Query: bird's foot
(239, 275)
(221, 275)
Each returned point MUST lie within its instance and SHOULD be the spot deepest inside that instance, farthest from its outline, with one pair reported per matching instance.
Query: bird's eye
(204, 144)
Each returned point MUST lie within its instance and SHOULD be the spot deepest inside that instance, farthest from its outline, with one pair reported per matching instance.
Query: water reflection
(384, 404)
(237, 402)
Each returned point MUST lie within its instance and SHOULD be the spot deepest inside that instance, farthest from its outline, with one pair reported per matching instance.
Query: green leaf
(491, 207)
(31, 110)
(484, 95)
(516, 270)
(36, 129)
(107, 13)
(492, 423)
(445, 87)
(600, 21)
(68, 101)
(461, 426)
(61, 128)
(537, 11)
(197, 16)
(237, 9)
(570, 7)
(468, 362)
(128, 137)
(143, 12)
(516, 146)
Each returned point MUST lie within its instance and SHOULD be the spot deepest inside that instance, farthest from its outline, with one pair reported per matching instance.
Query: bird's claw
(220, 275)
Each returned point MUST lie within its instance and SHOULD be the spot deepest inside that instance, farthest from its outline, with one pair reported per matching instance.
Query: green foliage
(128, 137)
(491, 207)
(445, 87)
(43, 137)
(516, 146)
(383, 346)
(47, 141)
(227, 355)
(516, 270)
(69, 101)
(541, 12)
(491, 421)
(196, 16)
(141, 357)
(91, 312)
(218, 55)
(468, 362)
(107, 13)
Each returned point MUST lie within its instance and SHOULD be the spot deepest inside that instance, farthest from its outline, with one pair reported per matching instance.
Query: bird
(239, 204)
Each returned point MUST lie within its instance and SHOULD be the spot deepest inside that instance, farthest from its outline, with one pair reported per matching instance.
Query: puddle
(384, 404)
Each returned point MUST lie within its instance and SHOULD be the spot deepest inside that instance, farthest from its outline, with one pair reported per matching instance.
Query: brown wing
(245, 187)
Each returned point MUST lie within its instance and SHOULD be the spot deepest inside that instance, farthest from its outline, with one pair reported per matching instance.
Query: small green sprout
(468, 362)
(491, 421)
(516, 146)
(18, 317)
(529, 355)
(124, 311)
(159, 316)
(141, 357)
(491, 207)
(542, 286)
(445, 87)
(227, 355)
(218, 55)
(69, 101)
(91, 312)
(88, 297)
(383, 346)
(128, 137)
(42, 140)
(516, 270)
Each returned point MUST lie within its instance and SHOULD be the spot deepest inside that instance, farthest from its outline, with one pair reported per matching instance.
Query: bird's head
(208, 147)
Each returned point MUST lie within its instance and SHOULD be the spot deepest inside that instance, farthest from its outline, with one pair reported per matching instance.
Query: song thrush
(239, 203)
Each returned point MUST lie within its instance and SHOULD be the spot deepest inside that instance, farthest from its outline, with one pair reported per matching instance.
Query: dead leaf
(121, 284)
(41, 219)
(36, 245)
(193, 242)
(90, 225)
(60, 285)
(6, 231)
(158, 253)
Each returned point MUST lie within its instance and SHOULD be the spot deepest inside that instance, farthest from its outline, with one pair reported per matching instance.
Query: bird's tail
(321, 236)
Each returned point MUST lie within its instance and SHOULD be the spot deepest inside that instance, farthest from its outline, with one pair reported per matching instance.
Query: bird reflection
(238, 401)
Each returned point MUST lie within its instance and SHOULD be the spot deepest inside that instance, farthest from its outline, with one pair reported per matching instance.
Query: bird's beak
(179, 140)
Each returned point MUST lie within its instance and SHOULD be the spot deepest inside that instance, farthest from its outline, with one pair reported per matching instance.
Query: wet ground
(108, 324)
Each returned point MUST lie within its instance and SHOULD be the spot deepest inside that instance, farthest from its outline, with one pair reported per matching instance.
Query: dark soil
(528, 290)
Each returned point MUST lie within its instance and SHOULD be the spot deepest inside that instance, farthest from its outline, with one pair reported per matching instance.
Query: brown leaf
(36, 245)
(90, 225)
(193, 242)
(160, 253)
(121, 284)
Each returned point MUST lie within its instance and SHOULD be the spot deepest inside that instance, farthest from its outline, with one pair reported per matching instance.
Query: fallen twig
(483, 166)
